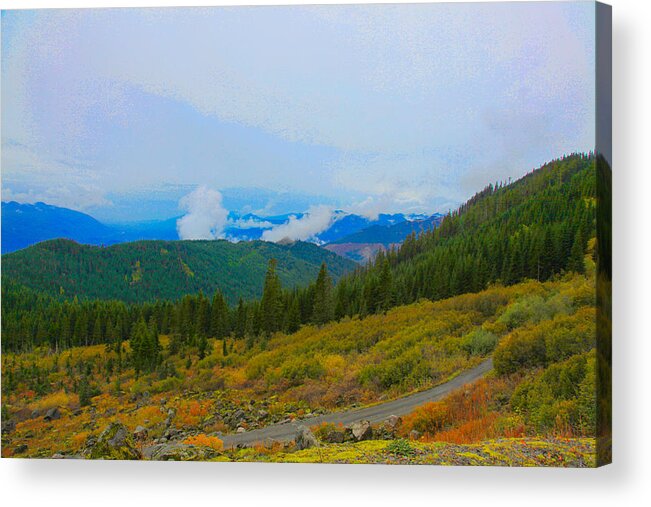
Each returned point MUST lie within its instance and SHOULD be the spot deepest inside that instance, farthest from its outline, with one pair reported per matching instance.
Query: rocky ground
(358, 443)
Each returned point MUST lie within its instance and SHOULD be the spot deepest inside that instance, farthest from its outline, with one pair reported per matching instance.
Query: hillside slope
(150, 270)
(535, 227)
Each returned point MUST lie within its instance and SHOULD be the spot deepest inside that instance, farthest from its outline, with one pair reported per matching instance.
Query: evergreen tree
(323, 309)
(385, 287)
(271, 302)
(293, 317)
(576, 262)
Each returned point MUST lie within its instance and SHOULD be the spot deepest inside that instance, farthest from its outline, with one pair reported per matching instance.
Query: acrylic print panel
(338, 234)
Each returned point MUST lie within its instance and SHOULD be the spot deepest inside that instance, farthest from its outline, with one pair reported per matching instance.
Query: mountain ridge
(148, 270)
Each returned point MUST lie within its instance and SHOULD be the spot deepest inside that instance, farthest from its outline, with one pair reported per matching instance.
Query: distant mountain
(152, 270)
(363, 246)
(349, 224)
(26, 224)
(251, 226)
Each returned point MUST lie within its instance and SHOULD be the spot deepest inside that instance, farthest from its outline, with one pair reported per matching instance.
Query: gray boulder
(362, 431)
(115, 442)
(8, 426)
(179, 452)
(140, 434)
(52, 414)
(392, 422)
(305, 438)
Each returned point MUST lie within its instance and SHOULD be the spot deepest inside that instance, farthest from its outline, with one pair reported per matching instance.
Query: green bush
(534, 309)
(547, 342)
(562, 397)
(479, 342)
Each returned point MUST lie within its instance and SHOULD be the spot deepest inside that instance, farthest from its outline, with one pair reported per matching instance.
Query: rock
(388, 429)
(115, 442)
(179, 452)
(140, 434)
(414, 435)
(241, 430)
(362, 431)
(58, 455)
(8, 426)
(335, 436)
(20, 449)
(22, 415)
(52, 414)
(172, 433)
(305, 438)
(393, 421)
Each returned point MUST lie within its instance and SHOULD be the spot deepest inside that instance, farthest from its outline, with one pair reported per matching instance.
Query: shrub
(204, 440)
(547, 342)
(479, 342)
(562, 397)
(533, 309)
(519, 350)
(401, 448)
(428, 419)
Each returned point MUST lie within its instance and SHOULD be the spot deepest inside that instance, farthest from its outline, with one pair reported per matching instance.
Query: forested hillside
(511, 275)
(180, 394)
(533, 228)
(164, 270)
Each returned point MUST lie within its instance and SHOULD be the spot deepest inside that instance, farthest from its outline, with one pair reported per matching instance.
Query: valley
(471, 341)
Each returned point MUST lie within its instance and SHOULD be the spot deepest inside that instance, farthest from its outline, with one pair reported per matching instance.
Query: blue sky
(122, 112)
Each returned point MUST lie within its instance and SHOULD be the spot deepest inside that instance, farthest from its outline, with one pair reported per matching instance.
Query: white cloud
(28, 177)
(317, 219)
(205, 218)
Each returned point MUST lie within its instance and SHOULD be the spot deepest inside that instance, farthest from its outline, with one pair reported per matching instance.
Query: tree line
(533, 228)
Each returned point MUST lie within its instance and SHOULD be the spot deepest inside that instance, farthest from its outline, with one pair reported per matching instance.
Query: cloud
(317, 219)
(205, 218)
(29, 177)
(411, 98)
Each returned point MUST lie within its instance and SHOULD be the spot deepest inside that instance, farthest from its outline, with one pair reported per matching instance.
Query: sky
(133, 114)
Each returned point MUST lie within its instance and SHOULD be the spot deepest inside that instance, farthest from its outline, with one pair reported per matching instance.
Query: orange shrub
(205, 441)
(469, 432)
(191, 413)
(429, 418)
(78, 440)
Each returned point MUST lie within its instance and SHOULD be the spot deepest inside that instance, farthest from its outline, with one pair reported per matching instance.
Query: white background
(626, 482)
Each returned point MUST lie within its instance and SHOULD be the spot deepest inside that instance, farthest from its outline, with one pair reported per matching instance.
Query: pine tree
(323, 308)
(271, 302)
(385, 287)
(203, 346)
(240, 319)
(293, 317)
(576, 262)
(219, 318)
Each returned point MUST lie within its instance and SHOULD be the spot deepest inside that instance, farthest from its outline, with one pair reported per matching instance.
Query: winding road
(373, 414)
